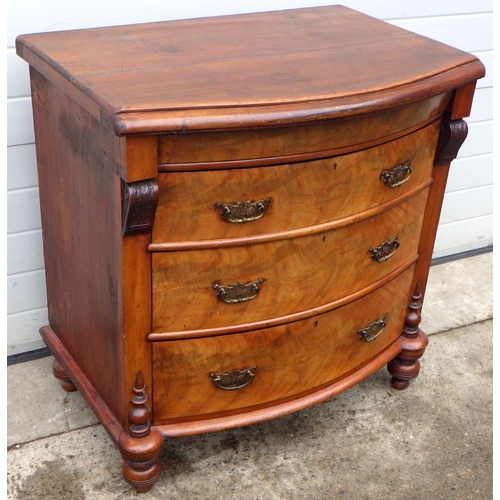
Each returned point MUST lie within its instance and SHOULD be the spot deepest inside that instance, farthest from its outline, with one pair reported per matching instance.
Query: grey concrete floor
(431, 441)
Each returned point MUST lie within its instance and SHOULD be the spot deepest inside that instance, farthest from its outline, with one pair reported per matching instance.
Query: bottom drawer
(209, 375)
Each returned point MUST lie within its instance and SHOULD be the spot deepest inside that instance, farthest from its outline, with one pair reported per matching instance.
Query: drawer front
(195, 206)
(289, 359)
(195, 150)
(298, 274)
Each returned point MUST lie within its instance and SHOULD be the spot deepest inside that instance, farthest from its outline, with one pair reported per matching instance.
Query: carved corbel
(453, 134)
(140, 200)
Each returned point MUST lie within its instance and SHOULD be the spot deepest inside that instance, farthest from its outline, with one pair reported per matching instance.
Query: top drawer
(212, 205)
(214, 149)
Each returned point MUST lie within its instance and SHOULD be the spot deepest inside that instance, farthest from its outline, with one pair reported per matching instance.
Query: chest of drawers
(238, 212)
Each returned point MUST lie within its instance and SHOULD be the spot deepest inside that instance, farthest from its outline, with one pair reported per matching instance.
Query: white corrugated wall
(466, 221)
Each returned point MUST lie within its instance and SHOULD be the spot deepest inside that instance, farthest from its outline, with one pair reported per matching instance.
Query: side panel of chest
(81, 217)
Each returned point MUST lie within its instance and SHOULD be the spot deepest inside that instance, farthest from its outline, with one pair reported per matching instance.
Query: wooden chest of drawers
(238, 212)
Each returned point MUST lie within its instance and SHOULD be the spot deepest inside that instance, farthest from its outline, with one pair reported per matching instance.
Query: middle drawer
(218, 288)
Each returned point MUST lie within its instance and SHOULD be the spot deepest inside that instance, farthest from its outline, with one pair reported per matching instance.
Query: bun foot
(404, 368)
(399, 384)
(141, 462)
(61, 375)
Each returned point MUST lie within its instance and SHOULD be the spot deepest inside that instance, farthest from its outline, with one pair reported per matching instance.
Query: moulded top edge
(282, 114)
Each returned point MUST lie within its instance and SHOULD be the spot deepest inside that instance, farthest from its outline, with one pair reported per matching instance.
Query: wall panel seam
(35, 309)
(486, 14)
(484, 216)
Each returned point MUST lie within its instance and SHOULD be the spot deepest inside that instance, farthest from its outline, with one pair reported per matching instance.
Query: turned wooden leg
(406, 365)
(62, 376)
(140, 448)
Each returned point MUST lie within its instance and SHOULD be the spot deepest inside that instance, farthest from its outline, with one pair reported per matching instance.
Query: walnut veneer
(238, 212)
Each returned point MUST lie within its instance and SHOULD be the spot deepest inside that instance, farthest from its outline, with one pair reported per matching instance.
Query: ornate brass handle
(385, 250)
(373, 330)
(396, 176)
(233, 379)
(243, 211)
(238, 292)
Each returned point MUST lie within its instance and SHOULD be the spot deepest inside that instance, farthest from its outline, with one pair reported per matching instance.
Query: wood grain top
(253, 69)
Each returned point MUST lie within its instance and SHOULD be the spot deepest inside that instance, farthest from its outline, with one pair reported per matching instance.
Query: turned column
(140, 447)
(406, 365)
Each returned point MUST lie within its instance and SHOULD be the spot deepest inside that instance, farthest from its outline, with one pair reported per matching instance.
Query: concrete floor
(431, 441)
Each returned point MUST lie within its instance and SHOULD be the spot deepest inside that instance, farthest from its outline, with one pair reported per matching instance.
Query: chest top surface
(253, 69)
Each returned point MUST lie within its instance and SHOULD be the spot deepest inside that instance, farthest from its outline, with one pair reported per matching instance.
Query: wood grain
(459, 107)
(301, 194)
(77, 160)
(136, 272)
(283, 320)
(263, 412)
(90, 393)
(299, 273)
(290, 359)
(140, 158)
(265, 66)
(260, 147)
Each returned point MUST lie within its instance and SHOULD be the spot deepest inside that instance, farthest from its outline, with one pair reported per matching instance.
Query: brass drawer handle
(385, 250)
(396, 176)
(238, 292)
(233, 379)
(373, 330)
(243, 211)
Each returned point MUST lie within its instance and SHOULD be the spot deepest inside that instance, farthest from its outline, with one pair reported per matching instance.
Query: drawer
(211, 149)
(196, 206)
(298, 274)
(290, 359)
